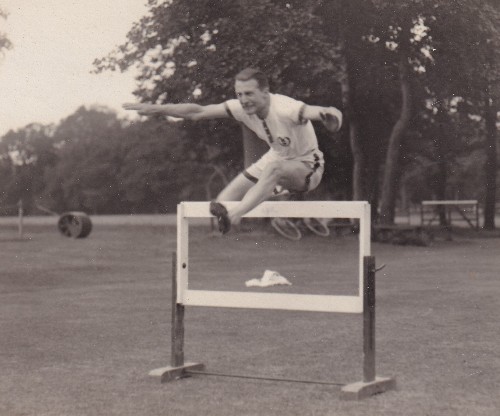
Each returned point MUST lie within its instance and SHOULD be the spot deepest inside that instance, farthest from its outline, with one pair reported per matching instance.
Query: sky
(47, 75)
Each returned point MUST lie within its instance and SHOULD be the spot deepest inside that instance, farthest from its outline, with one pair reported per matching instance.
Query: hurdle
(361, 303)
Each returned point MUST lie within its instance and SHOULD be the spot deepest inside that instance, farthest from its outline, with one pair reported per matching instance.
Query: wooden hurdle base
(364, 389)
(166, 374)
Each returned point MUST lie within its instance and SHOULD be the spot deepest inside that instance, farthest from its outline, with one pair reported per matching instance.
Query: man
(293, 161)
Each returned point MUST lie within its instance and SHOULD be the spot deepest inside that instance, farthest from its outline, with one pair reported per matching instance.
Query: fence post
(20, 212)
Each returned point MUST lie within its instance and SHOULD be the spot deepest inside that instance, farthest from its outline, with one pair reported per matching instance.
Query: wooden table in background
(468, 211)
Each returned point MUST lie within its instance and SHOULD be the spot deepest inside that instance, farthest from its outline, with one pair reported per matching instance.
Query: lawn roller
(74, 224)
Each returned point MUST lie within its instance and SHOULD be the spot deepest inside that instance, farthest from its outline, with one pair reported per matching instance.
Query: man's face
(252, 98)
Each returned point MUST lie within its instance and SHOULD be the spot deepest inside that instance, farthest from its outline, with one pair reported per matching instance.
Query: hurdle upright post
(178, 368)
(177, 335)
(369, 319)
(371, 384)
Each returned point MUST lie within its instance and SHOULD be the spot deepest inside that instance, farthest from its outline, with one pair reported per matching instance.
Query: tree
(348, 34)
(491, 162)
(450, 59)
(491, 111)
(190, 50)
(376, 42)
(156, 174)
(480, 68)
(89, 155)
(384, 60)
(471, 73)
(5, 43)
(393, 156)
(25, 154)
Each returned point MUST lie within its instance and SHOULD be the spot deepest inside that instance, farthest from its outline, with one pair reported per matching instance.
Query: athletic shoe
(220, 212)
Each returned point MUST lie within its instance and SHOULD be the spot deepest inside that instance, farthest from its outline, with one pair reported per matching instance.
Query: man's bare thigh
(294, 175)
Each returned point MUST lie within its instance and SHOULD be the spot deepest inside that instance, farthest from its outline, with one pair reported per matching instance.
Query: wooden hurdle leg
(178, 367)
(371, 384)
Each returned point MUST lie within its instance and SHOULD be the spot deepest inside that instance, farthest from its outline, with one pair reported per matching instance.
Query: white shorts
(314, 161)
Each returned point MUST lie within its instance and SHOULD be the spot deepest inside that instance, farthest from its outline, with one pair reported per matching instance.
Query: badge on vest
(284, 141)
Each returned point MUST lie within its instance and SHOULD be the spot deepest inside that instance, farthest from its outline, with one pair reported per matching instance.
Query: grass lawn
(84, 321)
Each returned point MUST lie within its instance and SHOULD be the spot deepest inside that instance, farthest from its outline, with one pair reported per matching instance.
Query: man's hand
(331, 119)
(186, 111)
(142, 109)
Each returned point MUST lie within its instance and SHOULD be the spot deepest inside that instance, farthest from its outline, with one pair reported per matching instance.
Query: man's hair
(253, 73)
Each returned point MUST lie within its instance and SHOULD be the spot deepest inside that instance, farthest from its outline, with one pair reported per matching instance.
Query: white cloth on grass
(269, 278)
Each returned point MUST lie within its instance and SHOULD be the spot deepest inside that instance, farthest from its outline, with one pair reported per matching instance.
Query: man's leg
(236, 189)
(289, 174)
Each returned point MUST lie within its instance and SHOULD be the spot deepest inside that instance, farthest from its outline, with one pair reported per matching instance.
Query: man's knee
(275, 171)
(291, 175)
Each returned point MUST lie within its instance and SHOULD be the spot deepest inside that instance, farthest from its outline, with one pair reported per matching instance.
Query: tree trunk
(491, 164)
(358, 189)
(373, 188)
(441, 181)
(358, 168)
(441, 162)
(392, 161)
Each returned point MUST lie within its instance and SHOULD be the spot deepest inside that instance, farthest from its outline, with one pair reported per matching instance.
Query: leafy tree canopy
(5, 43)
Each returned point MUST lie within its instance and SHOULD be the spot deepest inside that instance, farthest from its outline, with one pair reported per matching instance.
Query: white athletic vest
(285, 131)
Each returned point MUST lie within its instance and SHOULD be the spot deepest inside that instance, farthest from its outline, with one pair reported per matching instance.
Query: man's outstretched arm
(187, 111)
(329, 116)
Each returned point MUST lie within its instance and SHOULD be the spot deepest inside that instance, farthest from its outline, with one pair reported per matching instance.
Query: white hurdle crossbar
(288, 301)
